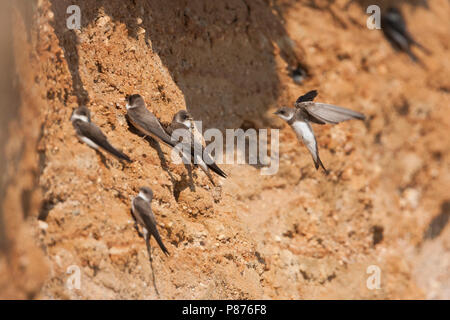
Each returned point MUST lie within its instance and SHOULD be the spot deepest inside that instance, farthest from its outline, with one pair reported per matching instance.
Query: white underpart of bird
(198, 139)
(198, 136)
(80, 117)
(304, 131)
(89, 142)
(143, 196)
(307, 111)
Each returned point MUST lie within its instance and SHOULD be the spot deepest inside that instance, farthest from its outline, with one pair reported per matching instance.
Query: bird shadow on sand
(150, 259)
(102, 159)
(149, 252)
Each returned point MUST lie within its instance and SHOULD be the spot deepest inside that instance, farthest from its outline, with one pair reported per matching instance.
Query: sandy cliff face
(297, 234)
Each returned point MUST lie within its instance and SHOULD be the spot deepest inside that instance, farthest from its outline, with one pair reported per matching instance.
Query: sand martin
(307, 111)
(394, 28)
(144, 120)
(143, 215)
(298, 74)
(183, 120)
(90, 134)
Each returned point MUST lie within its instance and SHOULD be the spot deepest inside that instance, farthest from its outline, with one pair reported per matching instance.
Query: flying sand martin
(394, 28)
(307, 111)
(183, 120)
(145, 121)
(143, 215)
(90, 134)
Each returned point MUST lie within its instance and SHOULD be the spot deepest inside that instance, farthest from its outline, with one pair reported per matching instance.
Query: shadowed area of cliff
(9, 107)
(229, 72)
(336, 8)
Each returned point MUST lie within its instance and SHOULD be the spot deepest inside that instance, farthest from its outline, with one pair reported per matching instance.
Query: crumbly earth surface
(298, 234)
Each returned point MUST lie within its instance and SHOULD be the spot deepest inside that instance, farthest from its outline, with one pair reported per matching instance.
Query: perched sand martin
(183, 120)
(307, 111)
(90, 134)
(143, 215)
(394, 28)
(144, 120)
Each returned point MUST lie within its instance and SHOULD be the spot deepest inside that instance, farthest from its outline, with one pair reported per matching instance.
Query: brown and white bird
(145, 121)
(143, 215)
(183, 122)
(307, 111)
(90, 134)
(395, 30)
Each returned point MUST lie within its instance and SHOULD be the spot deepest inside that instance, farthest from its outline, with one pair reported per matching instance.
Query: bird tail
(154, 232)
(116, 152)
(214, 167)
(415, 58)
(161, 244)
(417, 44)
(319, 163)
(412, 55)
(428, 52)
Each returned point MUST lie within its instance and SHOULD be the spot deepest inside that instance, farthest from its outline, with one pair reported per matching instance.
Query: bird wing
(309, 96)
(188, 142)
(148, 122)
(208, 159)
(184, 136)
(328, 113)
(90, 131)
(144, 215)
(197, 149)
(93, 133)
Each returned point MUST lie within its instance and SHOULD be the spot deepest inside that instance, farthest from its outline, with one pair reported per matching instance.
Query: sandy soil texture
(298, 234)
